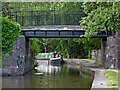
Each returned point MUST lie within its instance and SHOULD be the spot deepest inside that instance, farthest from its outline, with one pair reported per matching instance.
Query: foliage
(67, 47)
(112, 79)
(6, 9)
(49, 15)
(89, 44)
(102, 16)
(30, 6)
(10, 31)
(35, 45)
(35, 63)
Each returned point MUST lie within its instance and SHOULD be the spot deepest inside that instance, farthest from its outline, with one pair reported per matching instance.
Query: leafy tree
(35, 45)
(89, 45)
(67, 47)
(102, 16)
(30, 6)
(45, 42)
(6, 9)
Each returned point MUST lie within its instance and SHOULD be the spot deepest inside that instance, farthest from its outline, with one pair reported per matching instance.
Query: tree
(35, 45)
(102, 16)
(67, 47)
(6, 9)
(89, 44)
(45, 42)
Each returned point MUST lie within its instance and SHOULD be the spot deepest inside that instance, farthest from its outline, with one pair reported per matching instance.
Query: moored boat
(51, 57)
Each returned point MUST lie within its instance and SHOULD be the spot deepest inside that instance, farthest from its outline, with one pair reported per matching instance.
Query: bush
(10, 31)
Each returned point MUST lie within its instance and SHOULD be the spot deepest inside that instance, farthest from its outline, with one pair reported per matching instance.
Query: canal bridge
(52, 23)
(48, 24)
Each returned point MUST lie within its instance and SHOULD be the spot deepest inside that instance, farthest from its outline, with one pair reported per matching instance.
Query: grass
(85, 61)
(98, 64)
(112, 79)
(70, 58)
(91, 58)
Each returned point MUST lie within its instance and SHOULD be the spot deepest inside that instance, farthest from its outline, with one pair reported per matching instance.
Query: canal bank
(84, 67)
(97, 71)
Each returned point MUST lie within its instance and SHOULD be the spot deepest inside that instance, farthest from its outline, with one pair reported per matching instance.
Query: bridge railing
(48, 17)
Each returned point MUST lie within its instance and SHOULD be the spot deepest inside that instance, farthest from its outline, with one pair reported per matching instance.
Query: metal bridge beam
(59, 33)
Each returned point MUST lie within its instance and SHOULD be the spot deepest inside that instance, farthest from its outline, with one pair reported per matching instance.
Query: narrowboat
(51, 57)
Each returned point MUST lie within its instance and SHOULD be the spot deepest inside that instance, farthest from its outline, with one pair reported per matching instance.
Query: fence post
(16, 16)
(10, 15)
(22, 20)
(54, 18)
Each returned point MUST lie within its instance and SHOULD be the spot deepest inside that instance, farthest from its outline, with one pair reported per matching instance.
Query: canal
(50, 76)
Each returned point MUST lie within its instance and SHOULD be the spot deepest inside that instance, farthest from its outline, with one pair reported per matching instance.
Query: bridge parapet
(48, 17)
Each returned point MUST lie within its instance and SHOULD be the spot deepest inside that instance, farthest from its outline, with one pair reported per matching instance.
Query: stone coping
(53, 27)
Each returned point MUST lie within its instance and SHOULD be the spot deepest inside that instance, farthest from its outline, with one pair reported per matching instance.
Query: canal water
(50, 76)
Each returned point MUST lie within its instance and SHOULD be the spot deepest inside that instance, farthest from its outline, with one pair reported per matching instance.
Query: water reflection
(18, 81)
(54, 76)
(49, 69)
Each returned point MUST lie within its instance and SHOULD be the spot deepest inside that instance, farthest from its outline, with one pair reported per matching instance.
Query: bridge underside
(57, 31)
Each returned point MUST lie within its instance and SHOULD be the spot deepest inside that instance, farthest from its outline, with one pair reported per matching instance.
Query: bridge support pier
(29, 58)
(103, 54)
(118, 49)
(110, 52)
(21, 59)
